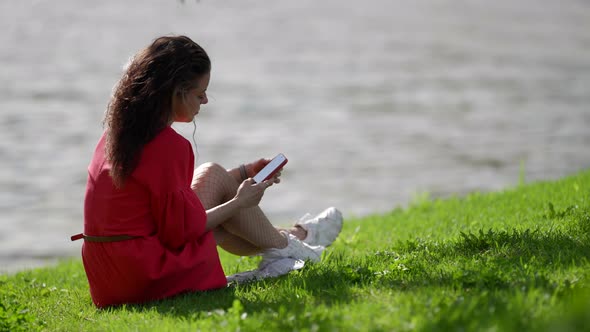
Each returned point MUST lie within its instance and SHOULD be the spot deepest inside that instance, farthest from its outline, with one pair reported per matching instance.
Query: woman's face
(186, 107)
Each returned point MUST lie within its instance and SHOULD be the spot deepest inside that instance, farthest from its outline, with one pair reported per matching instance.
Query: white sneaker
(295, 249)
(268, 269)
(323, 229)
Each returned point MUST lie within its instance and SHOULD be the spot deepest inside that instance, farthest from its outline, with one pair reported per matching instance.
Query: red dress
(173, 252)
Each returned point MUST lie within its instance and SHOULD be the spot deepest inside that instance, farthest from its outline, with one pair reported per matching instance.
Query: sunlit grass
(505, 261)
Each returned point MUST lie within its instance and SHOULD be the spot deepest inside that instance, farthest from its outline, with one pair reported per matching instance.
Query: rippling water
(372, 101)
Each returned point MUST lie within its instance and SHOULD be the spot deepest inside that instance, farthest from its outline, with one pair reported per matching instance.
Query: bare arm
(220, 213)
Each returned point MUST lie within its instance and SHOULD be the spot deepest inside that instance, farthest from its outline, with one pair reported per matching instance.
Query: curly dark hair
(141, 105)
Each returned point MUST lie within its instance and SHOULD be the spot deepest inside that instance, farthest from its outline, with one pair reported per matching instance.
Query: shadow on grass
(323, 285)
(480, 262)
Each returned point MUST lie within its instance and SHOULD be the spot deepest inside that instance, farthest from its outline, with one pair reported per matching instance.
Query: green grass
(516, 260)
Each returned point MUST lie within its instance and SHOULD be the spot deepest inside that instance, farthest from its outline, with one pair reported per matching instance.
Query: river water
(373, 102)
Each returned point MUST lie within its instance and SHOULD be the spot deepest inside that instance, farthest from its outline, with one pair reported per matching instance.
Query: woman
(151, 222)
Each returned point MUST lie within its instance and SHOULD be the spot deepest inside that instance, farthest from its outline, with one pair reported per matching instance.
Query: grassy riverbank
(515, 260)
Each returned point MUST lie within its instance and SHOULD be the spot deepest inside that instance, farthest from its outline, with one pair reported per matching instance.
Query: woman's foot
(322, 229)
(299, 232)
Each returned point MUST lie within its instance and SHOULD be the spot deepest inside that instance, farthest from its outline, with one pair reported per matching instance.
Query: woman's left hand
(254, 167)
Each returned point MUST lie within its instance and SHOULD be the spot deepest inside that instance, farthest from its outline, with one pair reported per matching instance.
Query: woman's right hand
(250, 193)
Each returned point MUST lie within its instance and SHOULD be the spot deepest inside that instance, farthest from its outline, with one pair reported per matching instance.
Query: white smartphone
(271, 168)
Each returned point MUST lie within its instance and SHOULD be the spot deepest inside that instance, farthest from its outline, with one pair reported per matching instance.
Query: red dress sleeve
(180, 218)
(167, 170)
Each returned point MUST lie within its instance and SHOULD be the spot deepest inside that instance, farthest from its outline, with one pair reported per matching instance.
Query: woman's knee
(209, 167)
(208, 170)
(208, 174)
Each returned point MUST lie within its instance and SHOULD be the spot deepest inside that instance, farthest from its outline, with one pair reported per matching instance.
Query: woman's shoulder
(168, 143)
(167, 139)
(165, 156)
